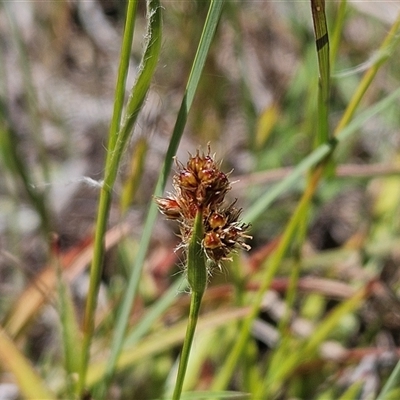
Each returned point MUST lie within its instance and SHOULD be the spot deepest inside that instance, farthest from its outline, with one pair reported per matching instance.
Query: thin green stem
(195, 304)
(123, 70)
(95, 274)
(135, 102)
(197, 279)
(337, 31)
(322, 45)
(384, 52)
(70, 332)
(111, 170)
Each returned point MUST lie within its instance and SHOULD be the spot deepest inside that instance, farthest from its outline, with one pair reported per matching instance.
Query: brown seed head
(202, 185)
(169, 207)
(216, 220)
(187, 180)
(211, 240)
(197, 163)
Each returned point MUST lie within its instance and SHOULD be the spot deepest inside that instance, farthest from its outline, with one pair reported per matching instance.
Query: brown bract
(202, 186)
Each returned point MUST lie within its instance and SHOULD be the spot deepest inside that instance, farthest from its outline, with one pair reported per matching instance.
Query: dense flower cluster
(200, 185)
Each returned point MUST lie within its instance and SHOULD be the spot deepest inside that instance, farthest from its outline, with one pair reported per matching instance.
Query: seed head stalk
(210, 231)
(197, 278)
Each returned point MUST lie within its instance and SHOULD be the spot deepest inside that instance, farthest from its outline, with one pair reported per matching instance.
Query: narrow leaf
(322, 44)
(12, 360)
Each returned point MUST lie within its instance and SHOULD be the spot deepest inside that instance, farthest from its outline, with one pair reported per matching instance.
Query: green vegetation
(299, 101)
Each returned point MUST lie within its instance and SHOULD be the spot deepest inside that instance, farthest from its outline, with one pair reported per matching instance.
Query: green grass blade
(31, 92)
(194, 77)
(9, 139)
(226, 371)
(141, 85)
(353, 392)
(12, 360)
(392, 383)
(394, 394)
(118, 141)
(337, 31)
(322, 44)
(265, 200)
(70, 332)
(216, 395)
(309, 348)
(131, 184)
(122, 74)
(385, 51)
(163, 340)
(17, 167)
(154, 313)
(342, 131)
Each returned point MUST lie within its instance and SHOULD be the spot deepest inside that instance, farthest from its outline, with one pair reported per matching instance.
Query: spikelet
(201, 185)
